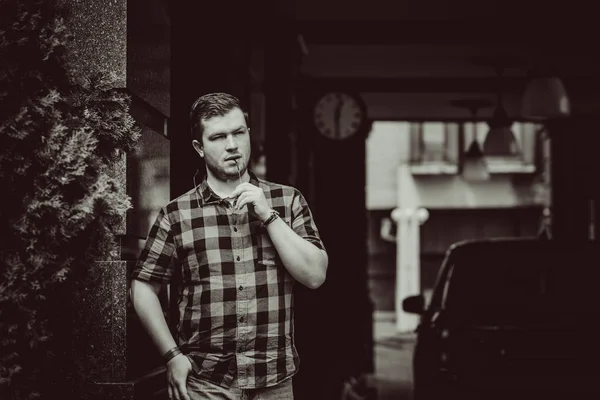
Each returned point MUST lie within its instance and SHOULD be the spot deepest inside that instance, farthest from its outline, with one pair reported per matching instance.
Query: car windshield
(509, 287)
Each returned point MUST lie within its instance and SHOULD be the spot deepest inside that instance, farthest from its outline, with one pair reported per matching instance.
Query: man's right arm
(146, 303)
(144, 296)
(153, 270)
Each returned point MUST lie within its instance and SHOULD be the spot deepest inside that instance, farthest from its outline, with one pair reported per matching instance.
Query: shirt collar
(207, 195)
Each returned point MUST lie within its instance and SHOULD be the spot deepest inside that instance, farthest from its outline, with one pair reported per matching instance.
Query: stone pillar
(100, 36)
(104, 321)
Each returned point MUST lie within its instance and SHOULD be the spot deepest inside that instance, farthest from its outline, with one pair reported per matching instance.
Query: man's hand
(178, 369)
(254, 197)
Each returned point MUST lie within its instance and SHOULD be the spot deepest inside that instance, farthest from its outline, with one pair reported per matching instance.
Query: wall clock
(339, 115)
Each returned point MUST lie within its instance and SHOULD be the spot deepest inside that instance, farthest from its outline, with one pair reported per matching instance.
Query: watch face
(338, 115)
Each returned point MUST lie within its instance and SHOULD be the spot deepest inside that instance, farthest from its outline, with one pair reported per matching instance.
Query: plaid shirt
(235, 306)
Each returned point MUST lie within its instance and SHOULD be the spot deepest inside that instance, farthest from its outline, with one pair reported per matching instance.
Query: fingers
(244, 199)
(178, 370)
(253, 196)
(247, 195)
(178, 388)
(182, 390)
(242, 187)
(173, 390)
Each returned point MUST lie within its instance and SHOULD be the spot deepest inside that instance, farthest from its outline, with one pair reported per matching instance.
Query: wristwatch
(274, 215)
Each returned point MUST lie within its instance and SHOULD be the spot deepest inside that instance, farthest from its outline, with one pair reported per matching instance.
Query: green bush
(60, 134)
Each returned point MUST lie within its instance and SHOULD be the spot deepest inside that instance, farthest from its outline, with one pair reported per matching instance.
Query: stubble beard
(224, 176)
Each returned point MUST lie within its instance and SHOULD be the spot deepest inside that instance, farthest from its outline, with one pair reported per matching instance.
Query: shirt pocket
(267, 254)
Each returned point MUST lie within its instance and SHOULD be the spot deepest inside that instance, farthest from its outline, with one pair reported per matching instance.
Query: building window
(435, 147)
(521, 158)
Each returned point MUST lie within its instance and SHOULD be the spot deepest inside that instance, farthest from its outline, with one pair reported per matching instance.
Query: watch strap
(274, 215)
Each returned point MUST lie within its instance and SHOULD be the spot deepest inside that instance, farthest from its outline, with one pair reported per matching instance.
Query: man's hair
(211, 105)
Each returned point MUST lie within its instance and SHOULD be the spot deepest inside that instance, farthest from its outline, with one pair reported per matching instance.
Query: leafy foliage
(60, 136)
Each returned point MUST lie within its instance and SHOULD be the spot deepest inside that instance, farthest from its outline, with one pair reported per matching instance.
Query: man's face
(225, 145)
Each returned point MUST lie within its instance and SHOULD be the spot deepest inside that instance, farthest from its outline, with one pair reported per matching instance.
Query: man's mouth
(233, 160)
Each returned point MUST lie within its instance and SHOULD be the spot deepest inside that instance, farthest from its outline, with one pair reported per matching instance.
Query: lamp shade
(474, 166)
(545, 98)
(500, 141)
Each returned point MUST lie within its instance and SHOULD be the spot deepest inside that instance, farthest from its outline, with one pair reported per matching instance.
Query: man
(239, 244)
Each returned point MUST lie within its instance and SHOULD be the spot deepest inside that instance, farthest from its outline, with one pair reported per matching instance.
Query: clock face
(338, 115)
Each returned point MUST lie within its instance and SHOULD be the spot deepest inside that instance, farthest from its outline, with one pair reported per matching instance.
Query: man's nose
(231, 143)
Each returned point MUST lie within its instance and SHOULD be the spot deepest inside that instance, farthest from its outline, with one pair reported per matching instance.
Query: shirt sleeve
(155, 263)
(302, 221)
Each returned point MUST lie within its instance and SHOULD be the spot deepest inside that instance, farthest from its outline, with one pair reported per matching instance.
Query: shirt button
(241, 319)
(234, 229)
(241, 288)
(238, 258)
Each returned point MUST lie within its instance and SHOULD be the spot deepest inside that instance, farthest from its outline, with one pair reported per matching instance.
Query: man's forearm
(303, 260)
(147, 306)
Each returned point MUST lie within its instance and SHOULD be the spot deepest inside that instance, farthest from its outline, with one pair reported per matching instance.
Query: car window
(440, 283)
(511, 286)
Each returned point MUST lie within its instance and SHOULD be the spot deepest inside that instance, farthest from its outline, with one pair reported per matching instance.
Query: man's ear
(198, 147)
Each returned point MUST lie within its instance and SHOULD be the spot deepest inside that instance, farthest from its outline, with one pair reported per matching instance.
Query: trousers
(200, 389)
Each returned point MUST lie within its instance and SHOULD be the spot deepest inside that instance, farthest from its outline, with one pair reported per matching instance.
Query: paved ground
(393, 350)
(393, 358)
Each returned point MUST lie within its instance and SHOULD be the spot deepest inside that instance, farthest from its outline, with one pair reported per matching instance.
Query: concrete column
(408, 265)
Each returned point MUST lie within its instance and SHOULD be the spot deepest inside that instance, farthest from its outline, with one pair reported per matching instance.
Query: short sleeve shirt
(235, 305)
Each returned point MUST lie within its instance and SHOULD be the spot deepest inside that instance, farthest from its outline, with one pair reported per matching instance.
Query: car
(510, 318)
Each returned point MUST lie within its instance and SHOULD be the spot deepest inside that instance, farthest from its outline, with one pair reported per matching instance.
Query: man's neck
(224, 189)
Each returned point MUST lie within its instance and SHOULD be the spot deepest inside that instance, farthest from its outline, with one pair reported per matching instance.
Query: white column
(408, 265)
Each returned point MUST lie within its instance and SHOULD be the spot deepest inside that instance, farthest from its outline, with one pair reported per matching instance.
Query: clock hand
(338, 116)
